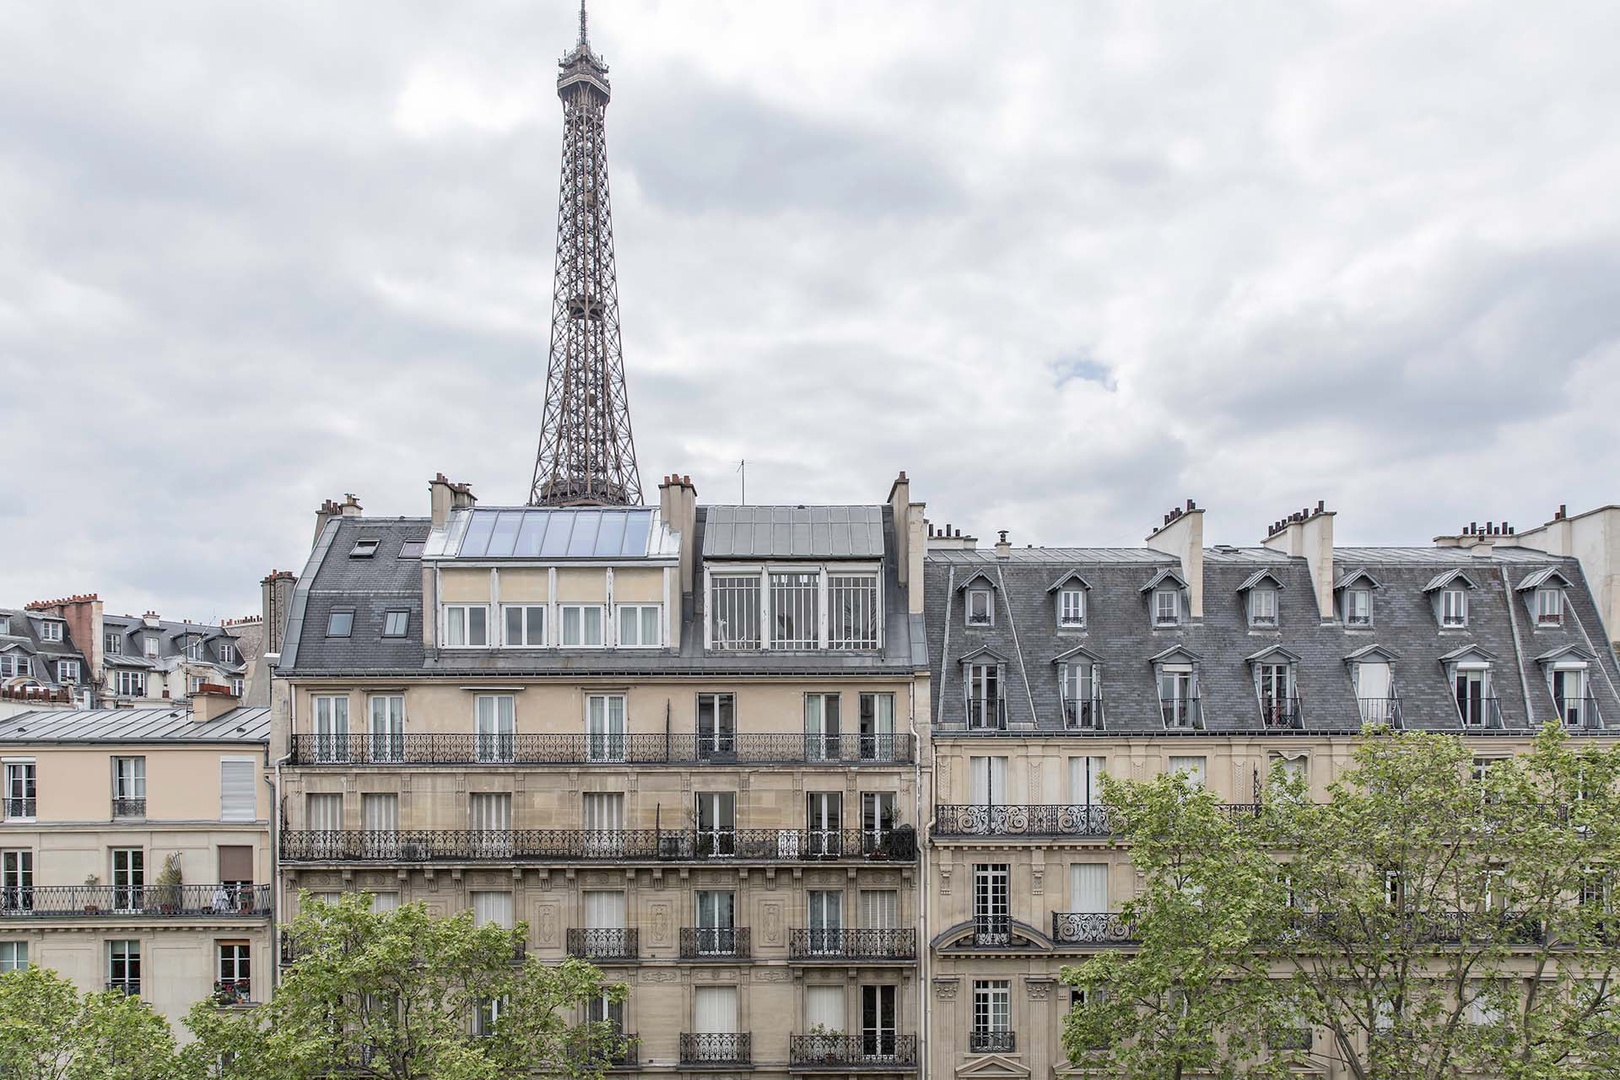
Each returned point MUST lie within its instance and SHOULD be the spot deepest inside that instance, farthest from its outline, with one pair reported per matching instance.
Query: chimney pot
(1003, 534)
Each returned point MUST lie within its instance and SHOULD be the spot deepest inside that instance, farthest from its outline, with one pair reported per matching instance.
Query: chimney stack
(275, 599)
(677, 505)
(1309, 533)
(1182, 535)
(445, 496)
(1003, 548)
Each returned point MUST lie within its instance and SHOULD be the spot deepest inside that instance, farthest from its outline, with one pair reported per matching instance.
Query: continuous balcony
(752, 748)
(881, 1050)
(1091, 928)
(148, 901)
(840, 945)
(1075, 821)
(723, 1050)
(716, 943)
(608, 846)
(604, 944)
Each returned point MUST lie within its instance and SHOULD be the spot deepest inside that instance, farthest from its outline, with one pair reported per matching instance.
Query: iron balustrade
(1182, 712)
(131, 987)
(867, 1050)
(1383, 710)
(986, 713)
(840, 943)
(626, 1054)
(1084, 714)
(168, 901)
(1291, 1038)
(983, 819)
(987, 1041)
(1480, 712)
(1435, 927)
(716, 943)
(1580, 713)
(992, 929)
(19, 807)
(129, 807)
(603, 944)
(1091, 928)
(716, 1048)
(749, 748)
(589, 845)
(233, 992)
(1282, 712)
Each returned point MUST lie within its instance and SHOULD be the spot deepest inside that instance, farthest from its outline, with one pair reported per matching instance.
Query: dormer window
(1453, 608)
(194, 648)
(986, 705)
(1071, 608)
(1167, 607)
(981, 606)
(1358, 607)
(112, 642)
(1469, 670)
(1450, 590)
(50, 631)
(1279, 702)
(227, 652)
(799, 608)
(1176, 673)
(1263, 607)
(1372, 674)
(150, 642)
(1549, 606)
(1080, 689)
(1567, 680)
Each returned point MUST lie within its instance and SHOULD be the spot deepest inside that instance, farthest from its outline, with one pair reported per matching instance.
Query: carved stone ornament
(945, 989)
(1039, 989)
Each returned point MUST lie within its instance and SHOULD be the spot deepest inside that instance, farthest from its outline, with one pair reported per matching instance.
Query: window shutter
(235, 862)
(236, 802)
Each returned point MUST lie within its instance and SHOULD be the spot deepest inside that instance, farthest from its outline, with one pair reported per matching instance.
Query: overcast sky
(1068, 264)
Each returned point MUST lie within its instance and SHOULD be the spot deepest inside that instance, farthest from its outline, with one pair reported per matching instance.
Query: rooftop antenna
(742, 467)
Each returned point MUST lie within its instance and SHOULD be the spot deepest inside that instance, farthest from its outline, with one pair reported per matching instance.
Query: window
(1167, 607)
(735, 620)
(16, 880)
(604, 1010)
(238, 782)
(987, 780)
(331, 723)
(13, 956)
(494, 718)
(1262, 606)
(387, 728)
(1085, 780)
(640, 626)
(19, 793)
(1078, 688)
(466, 625)
(1279, 706)
(992, 1017)
(525, 625)
(129, 787)
(582, 626)
(985, 708)
(1195, 769)
(236, 867)
(149, 643)
(1549, 607)
(491, 817)
(1569, 694)
(235, 972)
(1088, 887)
(1358, 607)
(822, 722)
(981, 607)
(1071, 608)
(340, 623)
(878, 819)
(226, 651)
(877, 727)
(112, 643)
(794, 617)
(992, 900)
(131, 684)
(396, 623)
(124, 967)
(603, 817)
(714, 1012)
(15, 664)
(486, 1014)
(824, 824)
(194, 684)
(411, 549)
(1476, 704)
(852, 611)
(604, 727)
(129, 878)
(1453, 608)
(67, 671)
(826, 921)
(50, 631)
(1178, 696)
(880, 909)
(716, 727)
(238, 686)
(717, 823)
(194, 648)
(716, 922)
(364, 549)
(1375, 692)
(492, 908)
(878, 1020)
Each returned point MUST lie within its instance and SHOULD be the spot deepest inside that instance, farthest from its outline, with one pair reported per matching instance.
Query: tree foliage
(49, 1031)
(393, 995)
(1437, 915)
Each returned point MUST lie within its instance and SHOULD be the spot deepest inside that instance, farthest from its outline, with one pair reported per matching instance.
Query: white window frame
(1549, 606)
(580, 610)
(1263, 605)
(50, 630)
(112, 643)
(194, 684)
(865, 589)
(459, 617)
(227, 652)
(739, 593)
(531, 626)
(639, 618)
(1166, 607)
(149, 646)
(238, 686)
(1071, 608)
(130, 683)
(388, 617)
(68, 671)
(30, 783)
(992, 1006)
(13, 956)
(976, 595)
(803, 590)
(1352, 618)
(1453, 607)
(194, 647)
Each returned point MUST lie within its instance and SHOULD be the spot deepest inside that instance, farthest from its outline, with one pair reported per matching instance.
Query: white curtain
(824, 1005)
(379, 812)
(326, 812)
(384, 901)
(604, 910)
(604, 811)
(880, 909)
(1085, 780)
(715, 1009)
(1088, 887)
(492, 811)
(1195, 767)
(1372, 681)
(492, 907)
(988, 780)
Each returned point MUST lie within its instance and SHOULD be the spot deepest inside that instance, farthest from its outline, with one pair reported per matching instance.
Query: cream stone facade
(688, 743)
(135, 853)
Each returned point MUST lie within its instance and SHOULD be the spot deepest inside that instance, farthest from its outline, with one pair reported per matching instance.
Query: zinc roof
(793, 532)
(168, 724)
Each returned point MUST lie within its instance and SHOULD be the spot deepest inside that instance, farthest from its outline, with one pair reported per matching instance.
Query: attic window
(1071, 611)
(364, 548)
(1263, 606)
(1358, 607)
(981, 608)
(112, 642)
(5, 625)
(1453, 607)
(1549, 606)
(396, 623)
(50, 631)
(411, 549)
(339, 623)
(1167, 607)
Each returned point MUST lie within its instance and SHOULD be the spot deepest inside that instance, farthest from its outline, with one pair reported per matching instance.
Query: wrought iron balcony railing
(1383, 710)
(986, 1041)
(168, 901)
(132, 987)
(868, 1050)
(129, 807)
(1480, 712)
(992, 929)
(1083, 714)
(1181, 713)
(980, 819)
(840, 943)
(19, 807)
(1436, 927)
(1282, 712)
(715, 943)
(587, 845)
(627, 1055)
(604, 944)
(716, 1048)
(1091, 928)
(749, 748)
(1299, 1038)
(233, 992)
(986, 713)
(1580, 713)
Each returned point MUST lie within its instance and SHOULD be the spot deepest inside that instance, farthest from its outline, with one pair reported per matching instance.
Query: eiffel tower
(587, 456)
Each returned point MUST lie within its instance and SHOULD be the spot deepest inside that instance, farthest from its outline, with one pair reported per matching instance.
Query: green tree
(393, 995)
(1438, 915)
(48, 1031)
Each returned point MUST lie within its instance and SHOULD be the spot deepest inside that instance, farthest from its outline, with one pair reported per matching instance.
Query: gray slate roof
(23, 636)
(165, 725)
(171, 643)
(1120, 635)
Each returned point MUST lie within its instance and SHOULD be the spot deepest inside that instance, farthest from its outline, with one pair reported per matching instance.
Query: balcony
(883, 1050)
(1580, 713)
(1384, 711)
(18, 807)
(613, 846)
(1182, 714)
(715, 943)
(1079, 820)
(986, 714)
(752, 748)
(604, 944)
(1480, 712)
(149, 901)
(841, 945)
(992, 930)
(627, 1055)
(1083, 715)
(1281, 713)
(131, 987)
(984, 1041)
(716, 1049)
(233, 992)
(129, 808)
(1091, 928)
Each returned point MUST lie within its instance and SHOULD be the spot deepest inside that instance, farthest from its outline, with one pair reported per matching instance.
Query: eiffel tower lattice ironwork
(587, 455)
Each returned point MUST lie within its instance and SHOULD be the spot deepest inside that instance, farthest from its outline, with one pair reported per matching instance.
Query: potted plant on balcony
(168, 883)
(90, 906)
(825, 1045)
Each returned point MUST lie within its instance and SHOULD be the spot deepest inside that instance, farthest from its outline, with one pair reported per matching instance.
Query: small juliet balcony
(129, 807)
(1580, 714)
(1281, 713)
(884, 1051)
(990, 1041)
(842, 945)
(1091, 928)
(1382, 711)
(1083, 714)
(986, 713)
(604, 944)
(1182, 714)
(716, 943)
(723, 1050)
